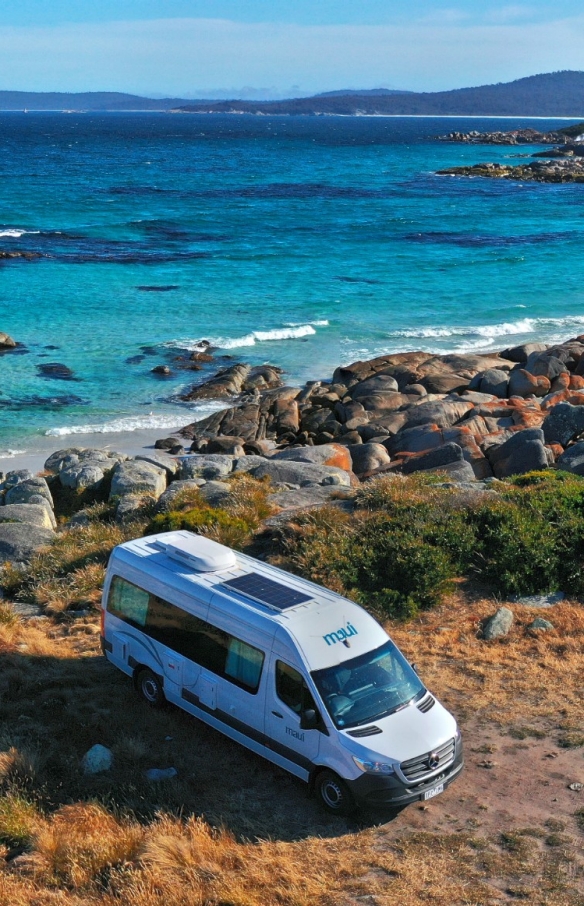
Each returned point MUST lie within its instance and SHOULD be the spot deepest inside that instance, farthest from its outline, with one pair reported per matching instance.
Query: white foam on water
(139, 422)
(10, 454)
(16, 234)
(290, 332)
(488, 332)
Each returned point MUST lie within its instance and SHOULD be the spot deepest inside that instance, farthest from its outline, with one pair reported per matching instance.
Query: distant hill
(88, 100)
(550, 94)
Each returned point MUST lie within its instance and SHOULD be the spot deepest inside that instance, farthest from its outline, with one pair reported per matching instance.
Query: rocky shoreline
(556, 171)
(514, 137)
(564, 163)
(474, 419)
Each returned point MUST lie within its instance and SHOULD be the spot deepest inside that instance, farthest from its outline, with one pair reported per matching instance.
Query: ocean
(303, 242)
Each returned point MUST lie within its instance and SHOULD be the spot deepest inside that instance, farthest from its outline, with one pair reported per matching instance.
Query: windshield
(368, 687)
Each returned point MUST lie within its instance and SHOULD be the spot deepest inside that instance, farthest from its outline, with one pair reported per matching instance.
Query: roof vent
(201, 554)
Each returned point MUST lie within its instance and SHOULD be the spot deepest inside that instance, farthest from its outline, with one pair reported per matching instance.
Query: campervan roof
(328, 627)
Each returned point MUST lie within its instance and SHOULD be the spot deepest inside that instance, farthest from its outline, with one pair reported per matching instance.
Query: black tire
(334, 794)
(149, 686)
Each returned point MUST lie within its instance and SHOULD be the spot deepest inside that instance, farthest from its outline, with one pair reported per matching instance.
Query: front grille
(417, 768)
(426, 704)
(365, 731)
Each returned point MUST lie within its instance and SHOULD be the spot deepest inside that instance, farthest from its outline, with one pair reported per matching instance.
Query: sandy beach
(130, 442)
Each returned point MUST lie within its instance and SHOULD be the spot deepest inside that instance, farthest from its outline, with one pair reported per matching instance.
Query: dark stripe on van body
(248, 731)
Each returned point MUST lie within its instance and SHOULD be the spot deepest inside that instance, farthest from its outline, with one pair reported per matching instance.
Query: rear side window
(128, 602)
(195, 639)
(292, 689)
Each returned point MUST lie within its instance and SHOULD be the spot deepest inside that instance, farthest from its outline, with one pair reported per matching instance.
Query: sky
(281, 48)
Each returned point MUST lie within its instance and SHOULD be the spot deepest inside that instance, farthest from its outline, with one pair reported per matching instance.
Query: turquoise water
(304, 242)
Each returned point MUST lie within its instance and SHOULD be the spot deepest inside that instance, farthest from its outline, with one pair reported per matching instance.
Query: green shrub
(18, 820)
(232, 524)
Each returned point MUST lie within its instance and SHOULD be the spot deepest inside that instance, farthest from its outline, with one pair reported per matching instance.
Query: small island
(562, 163)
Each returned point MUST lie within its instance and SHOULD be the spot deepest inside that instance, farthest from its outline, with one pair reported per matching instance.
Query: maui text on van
(296, 673)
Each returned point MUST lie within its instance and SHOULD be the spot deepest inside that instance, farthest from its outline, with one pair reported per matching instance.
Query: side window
(128, 602)
(292, 689)
(186, 634)
(244, 664)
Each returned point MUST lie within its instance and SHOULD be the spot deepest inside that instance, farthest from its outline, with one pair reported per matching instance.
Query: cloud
(173, 56)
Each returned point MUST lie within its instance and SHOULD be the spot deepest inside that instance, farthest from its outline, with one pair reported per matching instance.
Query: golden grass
(115, 839)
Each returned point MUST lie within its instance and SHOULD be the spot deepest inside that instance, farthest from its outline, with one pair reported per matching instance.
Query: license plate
(429, 794)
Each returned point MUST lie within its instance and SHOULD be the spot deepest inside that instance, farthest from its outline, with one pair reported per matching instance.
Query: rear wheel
(334, 794)
(150, 687)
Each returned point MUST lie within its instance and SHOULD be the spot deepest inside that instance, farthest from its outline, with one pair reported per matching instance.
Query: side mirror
(309, 720)
(415, 668)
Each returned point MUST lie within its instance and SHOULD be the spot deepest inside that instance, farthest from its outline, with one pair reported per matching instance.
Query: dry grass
(230, 829)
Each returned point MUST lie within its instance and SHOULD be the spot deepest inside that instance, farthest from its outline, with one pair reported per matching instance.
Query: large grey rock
(29, 514)
(572, 460)
(209, 467)
(460, 472)
(73, 456)
(62, 459)
(322, 455)
(380, 383)
(443, 413)
(495, 382)
(522, 452)
(167, 500)
(499, 624)
(162, 460)
(215, 493)
(134, 477)
(82, 476)
(563, 424)
(16, 477)
(548, 366)
(434, 459)
(522, 353)
(247, 463)
(131, 506)
(300, 474)
(31, 487)
(368, 457)
(18, 542)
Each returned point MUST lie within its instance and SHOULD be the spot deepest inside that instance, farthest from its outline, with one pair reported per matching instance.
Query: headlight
(373, 767)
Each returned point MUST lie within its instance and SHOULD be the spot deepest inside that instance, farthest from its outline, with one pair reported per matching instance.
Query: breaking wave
(290, 332)
(485, 334)
(138, 422)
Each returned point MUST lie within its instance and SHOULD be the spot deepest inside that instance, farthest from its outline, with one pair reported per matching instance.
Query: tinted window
(292, 689)
(128, 602)
(186, 634)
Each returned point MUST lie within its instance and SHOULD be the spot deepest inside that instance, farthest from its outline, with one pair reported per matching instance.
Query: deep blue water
(304, 242)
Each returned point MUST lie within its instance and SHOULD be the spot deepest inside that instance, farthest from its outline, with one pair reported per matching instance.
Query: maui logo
(341, 635)
(295, 733)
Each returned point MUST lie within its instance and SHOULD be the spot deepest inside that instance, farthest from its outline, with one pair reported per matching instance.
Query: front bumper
(373, 790)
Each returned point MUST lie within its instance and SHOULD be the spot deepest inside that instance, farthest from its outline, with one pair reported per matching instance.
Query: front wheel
(150, 687)
(334, 794)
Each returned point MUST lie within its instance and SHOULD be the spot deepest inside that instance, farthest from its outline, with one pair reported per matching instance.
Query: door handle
(277, 714)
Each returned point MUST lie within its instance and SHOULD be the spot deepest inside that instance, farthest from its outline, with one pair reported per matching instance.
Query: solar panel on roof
(266, 591)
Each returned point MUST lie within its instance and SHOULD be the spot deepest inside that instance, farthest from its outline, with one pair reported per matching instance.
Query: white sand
(129, 442)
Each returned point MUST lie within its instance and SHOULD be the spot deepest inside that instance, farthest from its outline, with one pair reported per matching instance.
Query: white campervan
(291, 670)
